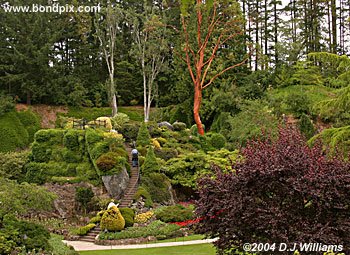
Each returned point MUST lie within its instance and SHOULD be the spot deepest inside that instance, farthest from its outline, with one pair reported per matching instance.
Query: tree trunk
(196, 108)
(114, 105)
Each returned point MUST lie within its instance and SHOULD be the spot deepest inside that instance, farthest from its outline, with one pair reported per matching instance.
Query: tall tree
(151, 49)
(212, 25)
(107, 29)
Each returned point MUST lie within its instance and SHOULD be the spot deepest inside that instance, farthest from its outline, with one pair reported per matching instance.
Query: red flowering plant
(282, 192)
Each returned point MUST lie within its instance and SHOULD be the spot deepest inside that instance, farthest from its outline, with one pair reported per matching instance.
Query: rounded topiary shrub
(179, 126)
(218, 141)
(107, 161)
(128, 215)
(112, 220)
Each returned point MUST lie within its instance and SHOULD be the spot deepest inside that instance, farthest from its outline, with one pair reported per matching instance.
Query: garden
(175, 127)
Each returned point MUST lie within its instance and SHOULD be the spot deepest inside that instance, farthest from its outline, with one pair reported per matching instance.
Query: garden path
(133, 182)
(86, 246)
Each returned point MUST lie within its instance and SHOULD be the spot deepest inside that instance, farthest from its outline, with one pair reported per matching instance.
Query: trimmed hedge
(128, 215)
(13, 134)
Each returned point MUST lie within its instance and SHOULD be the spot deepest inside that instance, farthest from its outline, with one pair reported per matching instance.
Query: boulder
(166, 124)
(116, 184)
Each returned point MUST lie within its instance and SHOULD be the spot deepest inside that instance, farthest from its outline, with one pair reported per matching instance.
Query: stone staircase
(90, 237)
(133, 183)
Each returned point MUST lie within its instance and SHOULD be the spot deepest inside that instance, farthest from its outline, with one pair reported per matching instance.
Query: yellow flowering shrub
(155, 143)
(144, 217)
(108, 121)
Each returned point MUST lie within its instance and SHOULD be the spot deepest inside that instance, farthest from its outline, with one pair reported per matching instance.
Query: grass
(181, 239)
(134, 113)
(197, 249)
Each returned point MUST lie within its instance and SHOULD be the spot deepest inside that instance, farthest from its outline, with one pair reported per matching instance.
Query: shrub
(156, 228)
(12, 165)
(179, 126)
(280, 186)
(158, 185)
(83, 196)
(175, 213)
(107, 122)
(71, 139)
(120, 120)
(36, 173)
(144, 217)
(70, 156)
(95, 219)
(298, 104)
(107, 161)
(82, 231)
(13, 134)
(143, 136)
(31, 123)
(128, 215)
(166, 153)
(306, 127)
(218, 141)
(142, 192)
(151, 165)
(6, 104)
(112, 220)
(130, 131)
(194, 129)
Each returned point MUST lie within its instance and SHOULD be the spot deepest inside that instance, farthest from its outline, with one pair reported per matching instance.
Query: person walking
(135, 157)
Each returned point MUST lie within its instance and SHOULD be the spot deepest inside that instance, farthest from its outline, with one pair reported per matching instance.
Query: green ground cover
(134, 113)
(198, 249)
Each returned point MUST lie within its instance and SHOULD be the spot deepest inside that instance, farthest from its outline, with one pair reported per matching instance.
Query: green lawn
(198, 249)
(181, 239)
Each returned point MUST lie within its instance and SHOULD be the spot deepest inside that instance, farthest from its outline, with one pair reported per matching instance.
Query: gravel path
(86, 246)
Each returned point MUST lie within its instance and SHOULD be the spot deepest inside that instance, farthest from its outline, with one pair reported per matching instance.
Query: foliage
(142, 192)
(12, 232)
(59, 248)
(144, 217)
(31, 123)
(6, 104)
(156, 228)
(12, 165)
(187, 168)
(175, 213)
(166, 153)
(143, 136)
(130, 131)
(297, 104)
(128, 215)
(279, 186)
(82, 231)
(178, 126)
(336, 109)
(150, 165)
(120, 120)
(158, 185)
(306, 74)
(13, 135)
(335, 140)
(255, 120)
(83, 195)
(21, 198)
(218, 141)
(112, 220)
(194, 129)
(106, 121)
(306, 127)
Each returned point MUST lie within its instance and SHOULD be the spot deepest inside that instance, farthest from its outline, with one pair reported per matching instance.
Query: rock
(116, 184)
(166, 124)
